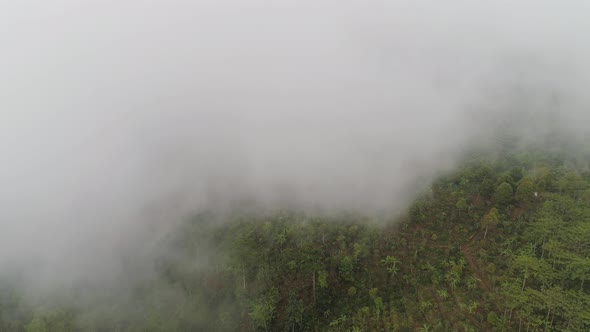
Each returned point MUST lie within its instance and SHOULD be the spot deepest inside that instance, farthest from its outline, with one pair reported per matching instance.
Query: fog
(120, 118)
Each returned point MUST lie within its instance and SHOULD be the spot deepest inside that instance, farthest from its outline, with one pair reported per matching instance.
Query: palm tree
(425, 328)
(391, 264)
(443, 294)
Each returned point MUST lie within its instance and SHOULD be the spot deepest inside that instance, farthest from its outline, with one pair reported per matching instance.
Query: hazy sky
(117, 118)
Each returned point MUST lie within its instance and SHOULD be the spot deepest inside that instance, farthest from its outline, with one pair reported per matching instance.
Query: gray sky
(110, 110)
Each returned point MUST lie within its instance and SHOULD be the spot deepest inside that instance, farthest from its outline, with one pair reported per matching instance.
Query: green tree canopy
(504, 193)
(491, 219)
(525, 190)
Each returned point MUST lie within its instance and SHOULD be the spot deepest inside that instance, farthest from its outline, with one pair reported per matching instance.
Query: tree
(491, 219)
(527, 264)
(516, 173)
(462, 205)
(295, 310)
(525, 190)
(391, 263)
(263, 310)
(62, 321)
(346, 269)
(323, 279)
(505, 177)
(443, 294)
(571, 183)
(503, 195)
(311, 263)
(38, 324)
(486, 188)
(425, 328)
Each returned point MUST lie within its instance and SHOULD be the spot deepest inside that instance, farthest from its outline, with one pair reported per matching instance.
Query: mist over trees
(294, 165)
(459, 259)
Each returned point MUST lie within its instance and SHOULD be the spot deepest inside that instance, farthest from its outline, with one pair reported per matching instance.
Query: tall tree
(491, 219)
(504, 194)
(525, 190)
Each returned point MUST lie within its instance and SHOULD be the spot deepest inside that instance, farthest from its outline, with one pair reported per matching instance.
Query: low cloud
(118, 119)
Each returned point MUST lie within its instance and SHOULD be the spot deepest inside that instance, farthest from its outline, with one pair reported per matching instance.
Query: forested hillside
(503, 244)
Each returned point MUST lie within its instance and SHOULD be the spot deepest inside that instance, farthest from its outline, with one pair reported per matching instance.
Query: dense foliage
(501, 245)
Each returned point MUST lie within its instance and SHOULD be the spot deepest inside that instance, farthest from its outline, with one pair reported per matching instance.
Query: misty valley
(500, 244)
(294, 165)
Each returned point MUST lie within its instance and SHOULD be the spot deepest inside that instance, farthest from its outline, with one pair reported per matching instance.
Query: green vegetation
(501, 245)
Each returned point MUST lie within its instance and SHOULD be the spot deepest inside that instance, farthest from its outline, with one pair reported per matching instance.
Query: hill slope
(502, 244)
